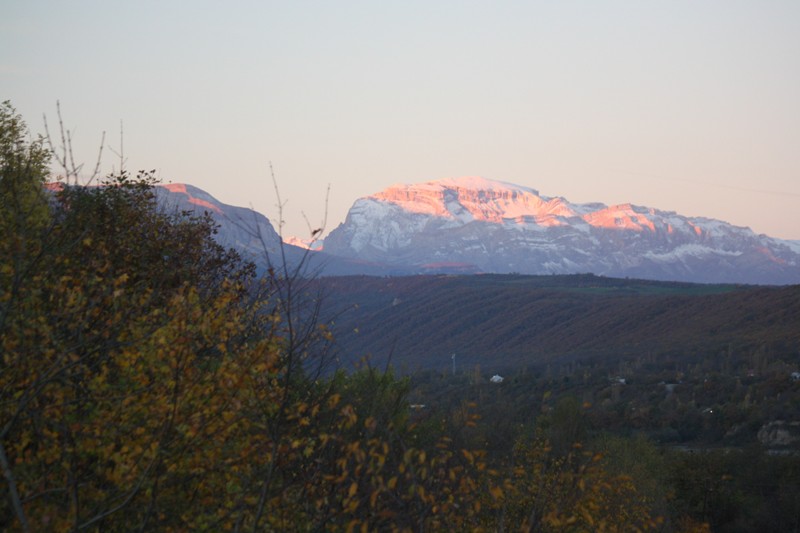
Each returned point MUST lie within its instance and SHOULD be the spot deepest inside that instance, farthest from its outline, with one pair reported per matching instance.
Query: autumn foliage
(150, 381)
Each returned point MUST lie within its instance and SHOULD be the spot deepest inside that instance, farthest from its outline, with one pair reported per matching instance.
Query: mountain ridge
(494, 226)
(252, 235)
(476, 225)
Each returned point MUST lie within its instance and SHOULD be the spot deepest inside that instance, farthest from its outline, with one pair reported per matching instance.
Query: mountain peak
(472, 198)
(477, 183)
(464, 183)
(194, 196)
(501, 227)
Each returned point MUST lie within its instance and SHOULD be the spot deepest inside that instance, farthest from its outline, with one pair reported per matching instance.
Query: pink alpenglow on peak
(180, 188)
(623, 216)
(494, 226)
(308, 244)
(477, 198)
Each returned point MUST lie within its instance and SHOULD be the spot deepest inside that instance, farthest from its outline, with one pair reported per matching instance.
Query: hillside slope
(514, 320)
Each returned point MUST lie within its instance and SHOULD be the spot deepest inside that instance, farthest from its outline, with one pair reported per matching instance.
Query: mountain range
(255, 238)
(477, 225)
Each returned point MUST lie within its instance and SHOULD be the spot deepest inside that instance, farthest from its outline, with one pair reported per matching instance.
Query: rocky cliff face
(243, 229)
(490, 226)
(253, 236)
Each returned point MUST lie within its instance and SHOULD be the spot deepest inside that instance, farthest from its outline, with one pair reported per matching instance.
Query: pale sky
(689, 106)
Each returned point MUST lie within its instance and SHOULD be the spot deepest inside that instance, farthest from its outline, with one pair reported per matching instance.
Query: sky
(687, 106)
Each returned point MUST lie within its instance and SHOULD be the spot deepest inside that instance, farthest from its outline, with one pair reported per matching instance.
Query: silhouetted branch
(63, 154)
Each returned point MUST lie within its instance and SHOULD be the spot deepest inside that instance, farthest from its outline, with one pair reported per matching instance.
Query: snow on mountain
(493, 226)
(308, 244)
(241, 228)
(476, 198)
(254, 237)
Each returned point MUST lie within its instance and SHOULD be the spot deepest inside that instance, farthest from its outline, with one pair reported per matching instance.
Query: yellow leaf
(587, 516)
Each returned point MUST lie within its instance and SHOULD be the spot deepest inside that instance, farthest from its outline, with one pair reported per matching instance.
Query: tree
(117, 321)
(23, 220)
(570, 492)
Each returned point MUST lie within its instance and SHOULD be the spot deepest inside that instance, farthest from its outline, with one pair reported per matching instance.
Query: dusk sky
(688, 106)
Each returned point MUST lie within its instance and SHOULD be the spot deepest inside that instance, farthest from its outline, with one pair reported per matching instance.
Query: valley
(691, 390)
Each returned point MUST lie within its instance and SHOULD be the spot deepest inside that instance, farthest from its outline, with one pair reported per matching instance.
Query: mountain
(254, 237)
(481, 225)
(245, 230)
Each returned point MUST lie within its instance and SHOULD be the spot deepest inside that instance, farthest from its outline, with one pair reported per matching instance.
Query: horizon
(681, 107)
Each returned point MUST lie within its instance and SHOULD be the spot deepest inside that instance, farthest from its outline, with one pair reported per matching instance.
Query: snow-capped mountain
(253, 236)
(245, 230)
(309, 244)
(476, 224)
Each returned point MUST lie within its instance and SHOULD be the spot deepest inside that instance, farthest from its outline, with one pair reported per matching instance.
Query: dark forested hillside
(503, 321)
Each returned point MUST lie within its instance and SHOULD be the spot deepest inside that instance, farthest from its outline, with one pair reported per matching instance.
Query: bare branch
(75, 168)
(278, 197)
(96, 171)
(63, 154)
(12, 488)
(317, 232)
(121, 153)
